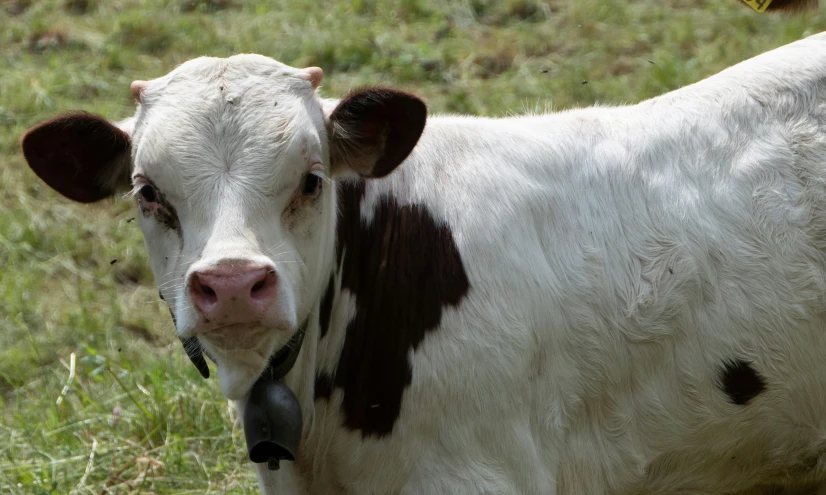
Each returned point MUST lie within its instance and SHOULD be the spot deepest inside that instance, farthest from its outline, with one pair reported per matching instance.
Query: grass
(96, 394)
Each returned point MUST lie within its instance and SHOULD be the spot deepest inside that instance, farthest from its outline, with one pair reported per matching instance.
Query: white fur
(616, 257)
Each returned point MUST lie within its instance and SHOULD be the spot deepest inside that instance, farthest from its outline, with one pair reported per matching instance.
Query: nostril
(261, 289)
(203, 292)
(258, 286)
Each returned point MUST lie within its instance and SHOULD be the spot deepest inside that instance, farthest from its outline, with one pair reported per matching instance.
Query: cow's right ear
(82, 156)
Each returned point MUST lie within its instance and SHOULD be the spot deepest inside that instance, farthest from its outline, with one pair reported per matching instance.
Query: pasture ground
(135, 416)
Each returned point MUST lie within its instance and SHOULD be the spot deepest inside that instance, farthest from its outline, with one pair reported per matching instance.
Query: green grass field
(132, 415)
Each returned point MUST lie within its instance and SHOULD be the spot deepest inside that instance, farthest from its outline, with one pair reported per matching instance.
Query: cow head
(230, 163)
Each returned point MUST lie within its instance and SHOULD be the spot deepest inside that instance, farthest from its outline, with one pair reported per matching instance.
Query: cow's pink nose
(233, 293)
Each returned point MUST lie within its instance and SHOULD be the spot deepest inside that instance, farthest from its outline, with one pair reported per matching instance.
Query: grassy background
(135, 417)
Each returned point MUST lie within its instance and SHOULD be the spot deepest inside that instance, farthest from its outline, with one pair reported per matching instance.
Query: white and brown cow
(622, 300)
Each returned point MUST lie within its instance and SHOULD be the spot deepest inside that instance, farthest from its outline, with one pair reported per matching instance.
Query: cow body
(622, 264)
(605, 300)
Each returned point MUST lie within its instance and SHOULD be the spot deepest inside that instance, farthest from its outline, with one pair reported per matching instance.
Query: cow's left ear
(82, 156)
(373, 130)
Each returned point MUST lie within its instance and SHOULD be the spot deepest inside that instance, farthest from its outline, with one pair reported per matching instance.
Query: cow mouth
(236, 337)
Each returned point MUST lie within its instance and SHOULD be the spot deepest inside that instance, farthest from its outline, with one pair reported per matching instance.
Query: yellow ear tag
(758, 5)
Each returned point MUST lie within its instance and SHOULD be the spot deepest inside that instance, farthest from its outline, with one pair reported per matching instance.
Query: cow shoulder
(403, 269)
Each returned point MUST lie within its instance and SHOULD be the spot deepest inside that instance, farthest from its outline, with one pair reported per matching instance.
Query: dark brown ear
(374, 129)
(790, 6)
(82, 156)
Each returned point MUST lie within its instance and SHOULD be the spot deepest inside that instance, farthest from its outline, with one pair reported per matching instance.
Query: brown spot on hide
(741, 382)
(326, 307)
(323, 386)
(403, 268)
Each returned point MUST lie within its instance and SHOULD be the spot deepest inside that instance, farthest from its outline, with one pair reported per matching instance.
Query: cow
(605, 300)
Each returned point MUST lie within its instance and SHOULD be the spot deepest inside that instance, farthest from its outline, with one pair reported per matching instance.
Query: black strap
(282, 361)
(195, 353)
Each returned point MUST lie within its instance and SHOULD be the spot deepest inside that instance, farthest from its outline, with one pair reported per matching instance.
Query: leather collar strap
(196, 354)
(282, 361)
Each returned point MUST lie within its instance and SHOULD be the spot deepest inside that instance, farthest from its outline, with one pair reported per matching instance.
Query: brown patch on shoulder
(323, 386)
(326, 307)
(403, 269)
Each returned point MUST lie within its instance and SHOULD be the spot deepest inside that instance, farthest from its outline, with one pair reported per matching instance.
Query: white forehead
(243, 72)
(247, 116)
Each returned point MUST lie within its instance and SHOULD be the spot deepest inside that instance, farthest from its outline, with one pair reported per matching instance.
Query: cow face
(230, 162)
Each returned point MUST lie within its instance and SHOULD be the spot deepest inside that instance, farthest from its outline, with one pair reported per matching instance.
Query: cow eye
(311, 185)
(148, 193)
